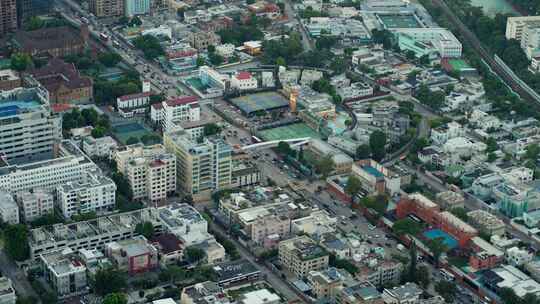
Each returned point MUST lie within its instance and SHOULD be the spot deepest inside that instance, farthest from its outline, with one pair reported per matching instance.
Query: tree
(363, 152)
(406, 226)
(149, 45)
(423, 276)
(201, 61)
(115, 298)
(211, 48)
(491, 145)
(215, 59)
(211, 129)
(447, 290)
(284, 148)
(377, 144)
(109, 280)
(98, 132)
(325, 166)
(194, 254)
(109, 59)
(334, 261)
(461, 213)
(135, 21)
(491, 157)
(20, 61)
(532, 151)
(353, 186)
(280, 61)
(437, 247)
(146, 229)
(176, 273)
(16, 242)
(34, 23)
(413, 259)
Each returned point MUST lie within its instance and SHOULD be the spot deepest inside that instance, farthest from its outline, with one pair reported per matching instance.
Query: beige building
(106, 8)
(301, 254)
(150, 171)
(202, 39)
(487, 222)
(516, 25)
(265, 226)
(450, 199)
(202, 166)
(328, 283)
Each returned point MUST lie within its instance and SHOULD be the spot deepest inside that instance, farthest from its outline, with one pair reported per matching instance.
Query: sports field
(264, 101)
(458, 64)
(399, 21)
(448, 240)
(297, 130)
(125, 131)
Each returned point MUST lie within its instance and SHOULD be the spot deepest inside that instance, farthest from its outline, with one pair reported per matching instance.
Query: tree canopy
(115, 298)
(108, 281)
(150, 46)
(406, 226)
(146, 229)
(16, 242)
(377, 144)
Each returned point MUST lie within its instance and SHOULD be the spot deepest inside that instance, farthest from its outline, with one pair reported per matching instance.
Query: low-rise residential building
(359, 293)
(450, 199)
(486, 222)
(35, 204)
(316, 224)
(442, 134)
(204, 293)
(9, 211)
(244, 174)
(510, 277)
(170, 113)
(150, 171)
(129, 105)
(7, 292)
(260, 296)
(244, 81)
(376, 178)
(300, 255)
(93, 193)
(328, 283)
(9, 80)
(380, 272)
(170, 247)
(202, 39)
(225, 50)
(65, 273)
(99, 147)
(404, 294)
(135, 255)
(484, 255)
(516, 256)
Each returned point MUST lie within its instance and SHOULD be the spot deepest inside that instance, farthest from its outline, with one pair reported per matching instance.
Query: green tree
(194, 254)
(34, 23)
(447, 290)
(132, 140)
(16, 242)
(284, 148)
(108, 281)
(135, 21)
(334, 261)
(115, 298)
(176, 273)
(211, 129)
(491, 157)
(423, 276)
(532, 151)
(325, 166)
(406, 226)
(491, 144)
(280, 61)
(353, 186)
(20, 61)
(363, 152)
(461, 213)
(413, 260)
(211, 48)
(215, 59)
(150, 46)
(98, 132)
(377, 144)
(201, 61)
(437, 247)
(146, 229)
(109, 59)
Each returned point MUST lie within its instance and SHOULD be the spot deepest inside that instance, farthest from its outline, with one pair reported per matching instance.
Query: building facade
(65, 273)
(9, 211)
(106, 8)
(35, 204)
(8, 16)
(300, 255)
(136, 7)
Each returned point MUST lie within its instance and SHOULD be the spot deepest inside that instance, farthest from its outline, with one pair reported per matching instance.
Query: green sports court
(399, 21)
(133, 129)
(264, 101)
(297, 130)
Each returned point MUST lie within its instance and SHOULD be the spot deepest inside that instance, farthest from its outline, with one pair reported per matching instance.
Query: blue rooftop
(8, 108)
(372, 171)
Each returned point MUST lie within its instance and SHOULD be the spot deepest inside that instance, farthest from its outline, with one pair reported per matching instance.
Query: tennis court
(197, 84)
(265, 101)
(125, 131)
(297, 130)
(399, 21)
(449, 241)
(458, 64)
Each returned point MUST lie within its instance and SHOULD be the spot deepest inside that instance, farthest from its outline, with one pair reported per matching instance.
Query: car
(369, 242)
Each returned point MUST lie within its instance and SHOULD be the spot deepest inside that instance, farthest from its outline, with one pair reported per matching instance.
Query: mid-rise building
(150, 171)
(7, 292)
(129, 105)
(404, 294)
(35, 204)
(65, 273)
(203, 166)
(99, 147)
(328, 283)
(106, 8)
(439, 40)
(28, 129)
(243, 81)
(202, 39)
(31, 8)
(486, 222)
(170, 113)
(136, 7)
(380, 272)
(52, 41)
(93, 193)
(300, 255)
(9, 211)
(9, 80)
(515, 26)
(8, 16)
(69, 165)
(135, 255)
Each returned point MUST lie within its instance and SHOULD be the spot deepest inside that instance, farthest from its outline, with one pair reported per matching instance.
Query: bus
(103, 37)
(447, 275)
(255, 139)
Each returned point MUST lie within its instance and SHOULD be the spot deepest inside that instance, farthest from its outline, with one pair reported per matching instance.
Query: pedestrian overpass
(294, 142)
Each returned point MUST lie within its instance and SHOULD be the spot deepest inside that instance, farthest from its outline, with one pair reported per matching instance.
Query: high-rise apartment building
(8, 16)
(136, 7)
(28, 131)
(30, 8)
(107, 8)
(150, 171)
(202, 166)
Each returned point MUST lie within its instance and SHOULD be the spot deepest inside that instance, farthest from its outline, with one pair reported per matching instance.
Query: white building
(446, 44)
(99, 147)
(518, 257)
(93, 193)
(35, 204)
(173, 111)
(128, 105)
(65, 273)
(461, 146)
(150, 171)
(225, 50)
(515, 26)
(9, 211)
(70, 165)
(243, 81)
(7, 292)
(442, 134)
